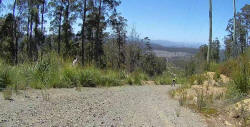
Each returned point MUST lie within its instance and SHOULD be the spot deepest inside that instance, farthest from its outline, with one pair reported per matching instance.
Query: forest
(82, 44)
(34, 30)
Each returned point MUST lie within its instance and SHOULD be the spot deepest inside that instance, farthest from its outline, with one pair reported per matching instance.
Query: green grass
(164, 79)
(54, 72)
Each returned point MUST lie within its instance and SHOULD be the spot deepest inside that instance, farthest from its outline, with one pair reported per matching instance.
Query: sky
(179, 20)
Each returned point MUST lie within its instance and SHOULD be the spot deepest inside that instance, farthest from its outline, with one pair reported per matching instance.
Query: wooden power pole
(234, 34)
(210, 30)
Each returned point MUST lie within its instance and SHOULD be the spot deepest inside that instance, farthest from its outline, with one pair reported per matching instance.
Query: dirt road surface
(125, 106)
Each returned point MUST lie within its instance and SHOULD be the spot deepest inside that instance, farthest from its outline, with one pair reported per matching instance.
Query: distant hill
(176, 55)
(168, 43)
(174, 49)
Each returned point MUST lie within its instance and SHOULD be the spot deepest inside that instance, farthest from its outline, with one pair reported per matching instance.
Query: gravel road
(125, 106)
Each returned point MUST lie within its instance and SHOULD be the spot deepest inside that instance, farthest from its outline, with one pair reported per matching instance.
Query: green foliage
(136, 78)
(5, 79)
(70, 77)
(228, 67)
(45, 72)
(216, 76)
(190, 68)
(240, 85)
(213, 67)
(164, 79)
(233, 92)
(242, 74)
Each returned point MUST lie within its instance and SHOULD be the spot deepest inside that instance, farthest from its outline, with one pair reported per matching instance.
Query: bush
(213, 67)
(5, 80)
(233, 94)
(198, 78)
(216, 76)
(90, 77)
(70, 78)
(241, 75)
(136, 78)
(227, 67)
(164, 79)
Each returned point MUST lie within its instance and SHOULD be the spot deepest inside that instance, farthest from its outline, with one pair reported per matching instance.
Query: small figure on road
(174, 81)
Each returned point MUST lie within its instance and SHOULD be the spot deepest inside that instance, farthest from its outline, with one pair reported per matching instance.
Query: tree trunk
(210, 30)
(59, 32)
(83, 29)
(234, 34)
(15, 33)
(66, 28)
(98, 43)
(37, 41)
(30, 38)
(119, 50)
(42, 28)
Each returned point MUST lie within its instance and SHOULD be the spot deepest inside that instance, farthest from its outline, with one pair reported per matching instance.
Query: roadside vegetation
(220, 89)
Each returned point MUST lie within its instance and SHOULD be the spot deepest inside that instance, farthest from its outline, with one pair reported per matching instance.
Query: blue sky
(178, 20)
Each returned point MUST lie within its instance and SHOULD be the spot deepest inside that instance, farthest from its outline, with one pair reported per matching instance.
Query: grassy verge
(54, 72)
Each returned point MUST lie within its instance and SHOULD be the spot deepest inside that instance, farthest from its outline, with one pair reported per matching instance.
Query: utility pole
(234, 34)
(210, 30)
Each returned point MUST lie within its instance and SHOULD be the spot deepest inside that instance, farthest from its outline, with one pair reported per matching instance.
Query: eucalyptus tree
(56, 14)
(241, 33)
(82, 10)
(103, 9)
(69, 17)
(118, 24)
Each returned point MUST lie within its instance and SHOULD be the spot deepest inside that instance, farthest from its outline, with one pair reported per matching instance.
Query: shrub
(213, 66)
(90, 77)
(227, 67)
(70, 77)
(5, 80)
(45, 73)
(241, 75)
(183, 98)
(199, 78)
(216, 76)
(201, 103)
(137, 78)
(164, 79)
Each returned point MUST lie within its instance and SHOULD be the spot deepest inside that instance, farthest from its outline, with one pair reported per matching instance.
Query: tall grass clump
(164, 79)
(5, 79)
(45, 73)
(136, 78)
(197, 79)
(241, 76)
(92, 77)
(239, 87)
(70, 77)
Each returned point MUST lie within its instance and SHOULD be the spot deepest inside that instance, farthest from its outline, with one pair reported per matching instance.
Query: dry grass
(7, 94)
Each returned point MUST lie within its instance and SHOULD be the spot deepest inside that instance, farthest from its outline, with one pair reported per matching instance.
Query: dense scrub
(54, 72)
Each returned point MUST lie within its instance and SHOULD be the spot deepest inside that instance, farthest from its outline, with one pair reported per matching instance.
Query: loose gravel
(125, 106)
